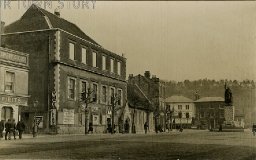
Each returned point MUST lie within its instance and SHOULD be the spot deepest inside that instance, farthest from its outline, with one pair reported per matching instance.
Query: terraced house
(64, 63)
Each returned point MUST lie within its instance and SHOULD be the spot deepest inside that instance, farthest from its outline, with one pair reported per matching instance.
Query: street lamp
(35, 125)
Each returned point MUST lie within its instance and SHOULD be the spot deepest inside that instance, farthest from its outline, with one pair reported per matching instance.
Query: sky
(173, 40)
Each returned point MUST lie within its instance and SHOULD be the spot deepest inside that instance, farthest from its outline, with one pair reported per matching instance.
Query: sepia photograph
(128, 80)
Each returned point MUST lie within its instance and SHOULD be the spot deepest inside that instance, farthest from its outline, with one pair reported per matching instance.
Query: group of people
(10, 127)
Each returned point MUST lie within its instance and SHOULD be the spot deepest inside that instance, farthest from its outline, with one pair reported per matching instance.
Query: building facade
(14, 72)
(64, 63)
(210, 112)
(154, 89)
(183, 111)
(141, 108)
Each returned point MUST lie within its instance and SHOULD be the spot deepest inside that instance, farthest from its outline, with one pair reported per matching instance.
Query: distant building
(183, 110)
(209, 112)
(14, 72)
(154, 89)
(64, 63)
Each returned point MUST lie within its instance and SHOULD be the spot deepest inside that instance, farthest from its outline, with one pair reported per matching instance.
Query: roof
(210, 99)
(43, 19)
(177, 99)
(137, 99)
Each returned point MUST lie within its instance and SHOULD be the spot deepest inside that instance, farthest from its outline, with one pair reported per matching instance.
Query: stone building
(183, 110)
(14, 72)
(65, 62)
(210, 112)
(154, 89)
(141, 108)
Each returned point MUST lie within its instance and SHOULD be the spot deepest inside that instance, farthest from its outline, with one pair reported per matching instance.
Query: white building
(183, 110)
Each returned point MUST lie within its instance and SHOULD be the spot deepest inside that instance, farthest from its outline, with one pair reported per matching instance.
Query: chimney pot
(57, 12)
(147, 74)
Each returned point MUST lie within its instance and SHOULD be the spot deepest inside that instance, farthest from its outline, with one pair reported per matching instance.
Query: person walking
(146, 127)
(13, 127)
(35, 128)
(20, 128)
(1, 128)
(7, 129)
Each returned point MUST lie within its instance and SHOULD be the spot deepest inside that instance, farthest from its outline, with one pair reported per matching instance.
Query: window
(71, 88)
(9, 81)
(119, 68)
(187, 115)
(83, 86)
(104, 63)
(104, 94)
(202, 114)
(221, 113)
(112, 65)
(179, 107)
(71, 51)
(112, 94)
(94, 59)
(187, 107)
(84, 55)
(180, 115)
(6, 113)
(119, 95)
(96, 120)
(95, 91)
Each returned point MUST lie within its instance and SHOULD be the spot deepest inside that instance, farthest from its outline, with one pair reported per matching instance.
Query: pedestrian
(13, 127)
(253, 129)
(7, 129)
(20, 128)
(220, 128)
(146, 127)
(90, 128)
(1, 128)
(35, 128)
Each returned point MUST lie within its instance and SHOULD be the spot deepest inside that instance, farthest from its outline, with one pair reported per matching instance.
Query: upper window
(119, 68)
(9, 81)
(119, 94)
(83, 86)
(84, 55)
(187, 107)
(95, 92)
(179, 106)
(112, 94)
(71, 88)
(104, 94)
(94, 59)
(71, 51)
(112, 65)
(104, 63)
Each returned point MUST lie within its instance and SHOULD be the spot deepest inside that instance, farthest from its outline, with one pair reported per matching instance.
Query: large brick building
(14, 71)
(64, 63)
(154, 89)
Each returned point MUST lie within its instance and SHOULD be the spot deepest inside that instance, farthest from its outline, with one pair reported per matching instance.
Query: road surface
(190, 144)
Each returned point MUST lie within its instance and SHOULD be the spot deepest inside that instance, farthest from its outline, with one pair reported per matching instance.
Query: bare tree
(86, 99)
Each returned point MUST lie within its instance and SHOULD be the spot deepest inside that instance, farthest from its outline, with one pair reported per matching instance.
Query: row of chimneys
(147, 75)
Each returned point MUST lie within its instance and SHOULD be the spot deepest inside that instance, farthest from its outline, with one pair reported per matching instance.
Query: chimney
(2, 27)
(57, 12)
(147, 74)
(130, 76)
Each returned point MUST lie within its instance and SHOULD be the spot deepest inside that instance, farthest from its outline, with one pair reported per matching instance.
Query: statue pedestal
(229, 113)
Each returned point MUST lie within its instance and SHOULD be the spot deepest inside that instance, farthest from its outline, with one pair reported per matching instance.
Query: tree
(86, 99)
(114, 101)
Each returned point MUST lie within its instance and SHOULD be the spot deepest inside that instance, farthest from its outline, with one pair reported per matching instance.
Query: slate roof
(25, 23)
(210, 99)
(178, 99)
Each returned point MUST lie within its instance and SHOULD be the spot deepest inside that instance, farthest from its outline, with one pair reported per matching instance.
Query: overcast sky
(174, 40)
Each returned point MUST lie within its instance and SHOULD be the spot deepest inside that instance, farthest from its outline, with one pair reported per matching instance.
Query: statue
(228, 96)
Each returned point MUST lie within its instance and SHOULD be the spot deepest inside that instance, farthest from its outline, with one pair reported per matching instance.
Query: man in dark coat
(20, 128)
(146, 127)
(13, 127)
(1, 128)
(7, 129)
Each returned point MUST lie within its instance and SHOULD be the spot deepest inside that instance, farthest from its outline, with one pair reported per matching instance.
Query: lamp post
(35, 125)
